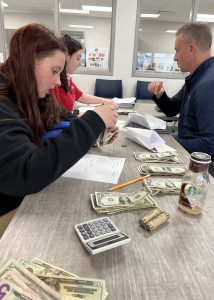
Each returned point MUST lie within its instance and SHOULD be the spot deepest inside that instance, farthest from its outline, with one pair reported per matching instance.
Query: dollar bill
(41, 290)
(164, 186)
(162, 170)
(8, 291)
(80, 288)
(18, 283)
(41, 268)
(105, 137)
(111, 202)
(168, 156)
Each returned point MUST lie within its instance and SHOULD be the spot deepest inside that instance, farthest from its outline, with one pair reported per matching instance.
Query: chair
(108, 88)
(142, 92)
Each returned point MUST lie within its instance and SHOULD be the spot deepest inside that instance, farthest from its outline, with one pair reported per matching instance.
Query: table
(175, 262)
(149, 107)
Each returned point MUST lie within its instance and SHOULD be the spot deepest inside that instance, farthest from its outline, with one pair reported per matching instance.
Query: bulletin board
(97, 57)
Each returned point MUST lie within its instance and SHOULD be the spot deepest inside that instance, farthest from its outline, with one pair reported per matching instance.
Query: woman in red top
(68, 92)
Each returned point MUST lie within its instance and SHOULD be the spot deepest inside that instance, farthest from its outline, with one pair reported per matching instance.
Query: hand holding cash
(106, 137)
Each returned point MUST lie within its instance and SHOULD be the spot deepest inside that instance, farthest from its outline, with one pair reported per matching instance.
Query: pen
(128, 182)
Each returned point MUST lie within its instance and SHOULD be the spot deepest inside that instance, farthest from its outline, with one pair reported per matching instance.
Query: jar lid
(201, 157)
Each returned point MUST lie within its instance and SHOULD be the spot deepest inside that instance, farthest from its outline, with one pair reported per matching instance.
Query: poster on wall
(144, 61)
(97, 57)
(163, 62)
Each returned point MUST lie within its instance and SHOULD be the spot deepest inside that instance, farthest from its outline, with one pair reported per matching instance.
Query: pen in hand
(128, 182)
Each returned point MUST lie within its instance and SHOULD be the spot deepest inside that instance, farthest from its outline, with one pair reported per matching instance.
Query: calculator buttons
(95, 228)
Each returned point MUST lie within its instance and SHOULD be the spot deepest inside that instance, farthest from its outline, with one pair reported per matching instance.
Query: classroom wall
(124, 45)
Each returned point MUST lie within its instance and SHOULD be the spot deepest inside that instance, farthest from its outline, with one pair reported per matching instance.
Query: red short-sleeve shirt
(68, 99)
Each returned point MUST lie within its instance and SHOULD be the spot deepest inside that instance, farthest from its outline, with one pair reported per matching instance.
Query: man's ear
(192, 49)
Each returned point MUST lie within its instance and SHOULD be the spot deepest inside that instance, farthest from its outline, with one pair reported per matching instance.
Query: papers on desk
(147, 120)
(97, 168)
(149, 139)
(125, 102)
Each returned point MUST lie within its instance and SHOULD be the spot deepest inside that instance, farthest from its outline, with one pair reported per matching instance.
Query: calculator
(99, 235)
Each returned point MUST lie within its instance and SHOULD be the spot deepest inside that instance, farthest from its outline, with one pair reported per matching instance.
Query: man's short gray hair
(198, 33)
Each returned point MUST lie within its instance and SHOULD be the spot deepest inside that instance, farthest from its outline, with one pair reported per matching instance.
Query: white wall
(124, 45)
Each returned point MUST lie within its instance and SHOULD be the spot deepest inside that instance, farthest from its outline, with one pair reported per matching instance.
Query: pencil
(128, 182)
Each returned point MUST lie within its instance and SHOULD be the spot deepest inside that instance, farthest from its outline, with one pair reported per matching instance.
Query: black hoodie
(24, 167)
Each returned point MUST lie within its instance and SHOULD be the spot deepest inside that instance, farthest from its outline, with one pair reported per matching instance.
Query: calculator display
(113, 239)
(106, 239)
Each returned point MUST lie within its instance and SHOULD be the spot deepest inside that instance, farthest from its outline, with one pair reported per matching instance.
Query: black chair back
(142, 90)
(108, 88)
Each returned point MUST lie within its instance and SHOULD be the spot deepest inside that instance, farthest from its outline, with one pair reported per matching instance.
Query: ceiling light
(4, 4)
(171, 31)
(140, 29)
(205, 18)
(73, 11)
(97, 8)
(150, 15)
(81, 26)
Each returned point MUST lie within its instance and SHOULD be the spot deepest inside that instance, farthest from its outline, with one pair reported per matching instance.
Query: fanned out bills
(10, 291)
(163, 186)
(105, 137)
(38, 280)
(162, 170)
(111, 202)
(159, 157)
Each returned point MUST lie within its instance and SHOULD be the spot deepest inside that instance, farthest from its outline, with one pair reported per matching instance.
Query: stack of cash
(38, 280)
(154, 219)
(167, 157)
(121, 111)
(163, 186)
(105, 137)
(111, 202)
(162, 170)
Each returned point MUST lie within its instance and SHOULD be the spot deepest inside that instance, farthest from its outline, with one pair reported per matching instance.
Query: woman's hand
(108, 114)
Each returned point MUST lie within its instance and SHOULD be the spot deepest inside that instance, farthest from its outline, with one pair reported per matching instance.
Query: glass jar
(194, 184)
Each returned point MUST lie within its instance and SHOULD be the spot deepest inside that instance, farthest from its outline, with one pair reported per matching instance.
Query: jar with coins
(194, 184)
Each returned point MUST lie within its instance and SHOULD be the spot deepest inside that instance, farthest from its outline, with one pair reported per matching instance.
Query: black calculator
(99, 235)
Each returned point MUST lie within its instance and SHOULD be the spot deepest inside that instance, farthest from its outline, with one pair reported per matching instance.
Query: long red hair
(30, 42)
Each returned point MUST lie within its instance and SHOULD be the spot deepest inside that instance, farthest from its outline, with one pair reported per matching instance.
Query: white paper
(97, 168)
(150, 139)
(147, 120)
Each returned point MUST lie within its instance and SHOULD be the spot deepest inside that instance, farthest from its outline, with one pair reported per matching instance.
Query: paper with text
(97, 168)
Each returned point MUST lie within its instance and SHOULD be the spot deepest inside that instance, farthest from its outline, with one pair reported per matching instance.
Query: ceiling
(46, 6)
(170, 10)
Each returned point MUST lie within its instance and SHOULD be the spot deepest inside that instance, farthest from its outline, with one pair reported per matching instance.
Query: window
(157, 22)
(93, 26)
(20, 13)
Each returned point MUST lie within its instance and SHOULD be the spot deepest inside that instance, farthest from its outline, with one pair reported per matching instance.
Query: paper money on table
(105, 137)
(168, 157)
(111, 202)
(163, 186)
(41, 268)
(9, 291)
(162, 170)
(51, 282)
(77, 288)
(40, 290)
